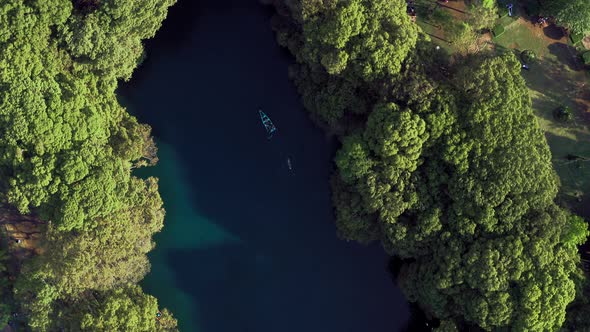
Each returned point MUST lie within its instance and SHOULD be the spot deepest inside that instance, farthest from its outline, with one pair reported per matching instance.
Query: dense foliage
(364, 41)
(445, 165)
(67, 152)
(572, 14)
(483, 14)
(369, 39)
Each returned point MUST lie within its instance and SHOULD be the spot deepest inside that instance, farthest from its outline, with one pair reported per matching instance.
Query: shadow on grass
(454, 9)
(437, 37)
(566, 54)
(436, 26)
(554, 85)
(545, 107)
(574, 175)
(554, 32)
(583, 208)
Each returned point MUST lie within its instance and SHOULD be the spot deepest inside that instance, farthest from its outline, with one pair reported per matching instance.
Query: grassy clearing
(439, 20)
(518, 36)
(552, 84)
(558, 79)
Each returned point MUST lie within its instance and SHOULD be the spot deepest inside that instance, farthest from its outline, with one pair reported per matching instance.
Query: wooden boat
(268, 125)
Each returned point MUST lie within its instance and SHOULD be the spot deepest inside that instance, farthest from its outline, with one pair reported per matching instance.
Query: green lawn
(552, 86)
(518, 36)
(555, 80)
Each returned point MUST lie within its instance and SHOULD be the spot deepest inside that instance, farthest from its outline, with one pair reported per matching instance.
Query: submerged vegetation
(443, 162)
(66, 158)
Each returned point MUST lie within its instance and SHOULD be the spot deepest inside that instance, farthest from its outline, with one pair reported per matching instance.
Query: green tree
(575, 232)
(80, 261)
(462, 36)
(471, 206)
(65, 134)
(5, 314)
(446, 326)
(331, 100)
(124, 309)
(36, 296)
(108, 38)
(367, 39)
(488, 3)
(381, 165)
(574, 15)
(445, 165)
(4, 257)
(483, 16)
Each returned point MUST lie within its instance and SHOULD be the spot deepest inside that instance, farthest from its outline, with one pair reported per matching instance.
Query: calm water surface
(248, 245)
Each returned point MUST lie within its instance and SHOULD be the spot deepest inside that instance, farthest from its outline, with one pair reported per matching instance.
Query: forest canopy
(443, 163)
(66, 157)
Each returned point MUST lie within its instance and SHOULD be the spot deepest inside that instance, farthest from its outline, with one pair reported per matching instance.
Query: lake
(249, 245)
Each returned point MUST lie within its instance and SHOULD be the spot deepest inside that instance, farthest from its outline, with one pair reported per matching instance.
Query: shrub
(576, 37)
(482, 18)
(528, 56)
(563, 114)
(461, 35)
(586, 57)
(489, 4)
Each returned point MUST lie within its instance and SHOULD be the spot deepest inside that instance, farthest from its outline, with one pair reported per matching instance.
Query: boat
(289, 164)
(268, 125)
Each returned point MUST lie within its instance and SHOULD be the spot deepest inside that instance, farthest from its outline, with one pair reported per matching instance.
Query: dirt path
(23, 233)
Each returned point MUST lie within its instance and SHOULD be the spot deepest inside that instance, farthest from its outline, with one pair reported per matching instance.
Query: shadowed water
(248, 245)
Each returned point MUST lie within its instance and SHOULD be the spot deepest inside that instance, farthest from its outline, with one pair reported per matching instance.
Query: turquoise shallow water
(248, 245)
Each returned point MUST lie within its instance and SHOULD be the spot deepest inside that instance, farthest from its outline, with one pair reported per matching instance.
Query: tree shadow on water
(216, 278)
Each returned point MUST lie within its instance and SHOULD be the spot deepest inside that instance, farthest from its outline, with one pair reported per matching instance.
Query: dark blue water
(248, 245)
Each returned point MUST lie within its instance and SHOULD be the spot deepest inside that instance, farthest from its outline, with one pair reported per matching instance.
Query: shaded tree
(574, 14)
